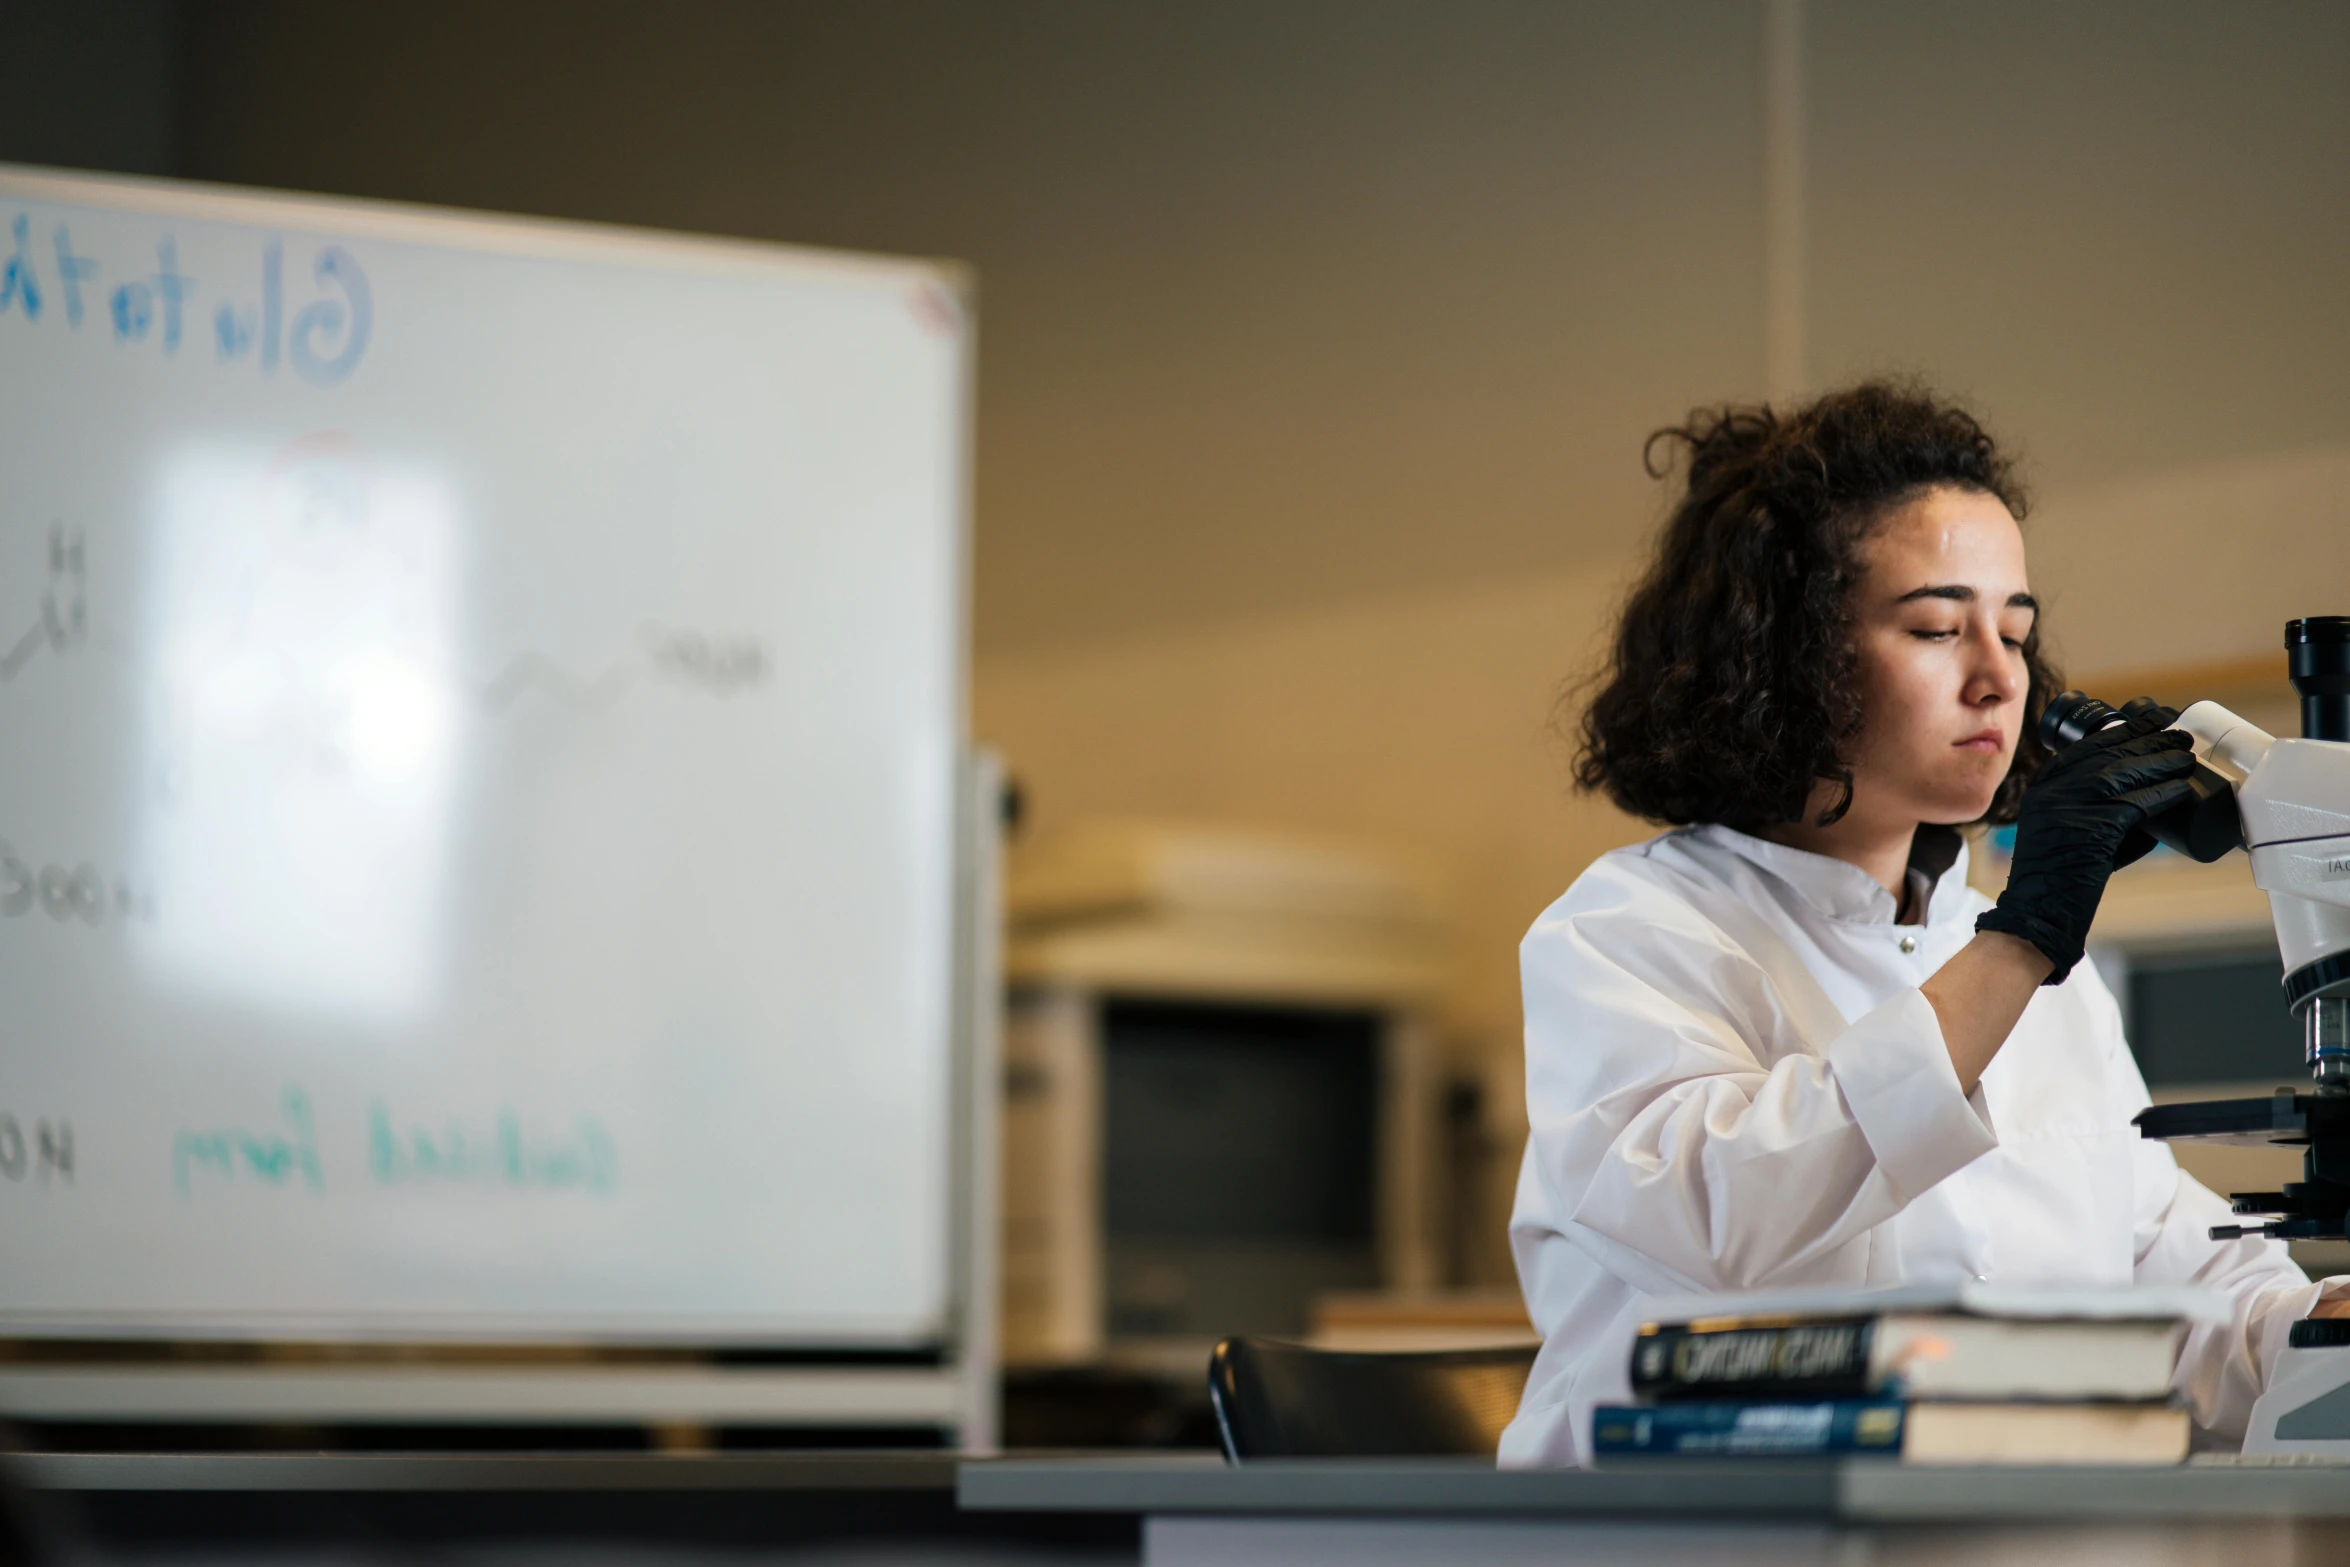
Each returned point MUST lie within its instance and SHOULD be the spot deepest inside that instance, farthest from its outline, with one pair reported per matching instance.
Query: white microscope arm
(2294, 798)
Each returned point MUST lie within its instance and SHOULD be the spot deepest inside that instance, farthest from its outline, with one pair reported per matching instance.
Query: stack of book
(1969, 1375)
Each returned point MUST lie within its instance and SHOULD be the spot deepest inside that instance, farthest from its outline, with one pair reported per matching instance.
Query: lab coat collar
(1846, 892)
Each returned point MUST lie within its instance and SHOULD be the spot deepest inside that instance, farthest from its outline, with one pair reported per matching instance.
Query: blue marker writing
(171, 287)
(18, 285)
(232, 1152)
(504, 1153)
(273, 273)
(72, 272)
(133, 307)
(353, 317)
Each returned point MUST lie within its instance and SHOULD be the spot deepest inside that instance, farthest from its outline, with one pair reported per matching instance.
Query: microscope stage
(2281, 1118)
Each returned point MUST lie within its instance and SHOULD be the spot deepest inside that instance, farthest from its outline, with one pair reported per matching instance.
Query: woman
(1785, 1043)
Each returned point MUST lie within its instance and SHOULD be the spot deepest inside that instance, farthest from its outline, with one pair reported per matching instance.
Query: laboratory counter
(355, 1507)
(1180, 1510)
(1758, 1513)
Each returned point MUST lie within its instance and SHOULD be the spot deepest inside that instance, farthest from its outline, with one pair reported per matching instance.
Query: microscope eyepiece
(2317, 654)
(2203, 827)
(2071, 717)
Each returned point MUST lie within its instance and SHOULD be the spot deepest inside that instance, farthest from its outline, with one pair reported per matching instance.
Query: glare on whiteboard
(305, 731)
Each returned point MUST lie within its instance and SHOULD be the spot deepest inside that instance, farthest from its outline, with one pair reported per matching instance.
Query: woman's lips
(1986, 740)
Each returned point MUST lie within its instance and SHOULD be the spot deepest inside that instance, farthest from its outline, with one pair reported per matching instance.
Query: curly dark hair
(1731, 690)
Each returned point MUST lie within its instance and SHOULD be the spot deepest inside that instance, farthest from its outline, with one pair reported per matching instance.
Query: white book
(2044, 1434)
(1975, 1297)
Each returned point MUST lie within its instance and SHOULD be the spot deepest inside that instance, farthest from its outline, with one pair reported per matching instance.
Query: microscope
(2287, 803)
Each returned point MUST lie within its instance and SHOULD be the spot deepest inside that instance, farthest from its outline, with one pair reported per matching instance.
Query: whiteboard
(480, 704)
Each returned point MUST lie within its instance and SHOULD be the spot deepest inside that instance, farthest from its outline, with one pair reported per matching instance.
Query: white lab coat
(1734, 1082)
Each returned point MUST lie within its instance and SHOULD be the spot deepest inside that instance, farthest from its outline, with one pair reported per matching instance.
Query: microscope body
(2293, 798)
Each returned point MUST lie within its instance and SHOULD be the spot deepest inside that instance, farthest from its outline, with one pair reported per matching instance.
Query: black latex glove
(2139, 842)
(2078, 816)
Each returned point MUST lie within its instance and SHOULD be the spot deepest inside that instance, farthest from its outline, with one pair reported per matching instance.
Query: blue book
(1724, 1429)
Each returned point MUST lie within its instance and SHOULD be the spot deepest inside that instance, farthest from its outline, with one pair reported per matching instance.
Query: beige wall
(2200, 565)
(1319, 335)
(1284, 303)
(2118, 224)
(91, 85)
(1421, 723)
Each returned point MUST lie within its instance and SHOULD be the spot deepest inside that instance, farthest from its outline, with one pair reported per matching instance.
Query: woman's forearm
(1978, 996)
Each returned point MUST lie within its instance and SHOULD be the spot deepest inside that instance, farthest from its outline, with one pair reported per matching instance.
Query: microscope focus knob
(2320, 1333)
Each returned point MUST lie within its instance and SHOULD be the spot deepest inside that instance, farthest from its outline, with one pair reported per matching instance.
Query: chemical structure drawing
(717, 666)
(64, 621)
(528, 672)
(67, 893)
(711, 665)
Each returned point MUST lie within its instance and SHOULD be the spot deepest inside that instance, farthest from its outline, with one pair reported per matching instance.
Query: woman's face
(1939, 621)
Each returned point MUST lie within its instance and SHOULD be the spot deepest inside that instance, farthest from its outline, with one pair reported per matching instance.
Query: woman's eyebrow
(1963, 594)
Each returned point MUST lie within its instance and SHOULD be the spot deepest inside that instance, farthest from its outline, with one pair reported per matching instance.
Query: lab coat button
(1909, 943)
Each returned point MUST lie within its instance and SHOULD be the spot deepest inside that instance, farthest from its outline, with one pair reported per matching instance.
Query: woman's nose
(1995, 676)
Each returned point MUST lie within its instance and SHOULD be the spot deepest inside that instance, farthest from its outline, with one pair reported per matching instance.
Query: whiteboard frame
(519, 236)
(959, 1391)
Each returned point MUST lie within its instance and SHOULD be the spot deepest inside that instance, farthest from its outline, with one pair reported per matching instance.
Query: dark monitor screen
(1239, 1163)
(2212, 1017)
(1238, 1121)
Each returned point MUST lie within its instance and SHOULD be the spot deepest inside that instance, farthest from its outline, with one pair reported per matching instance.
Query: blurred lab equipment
(1221, 1091)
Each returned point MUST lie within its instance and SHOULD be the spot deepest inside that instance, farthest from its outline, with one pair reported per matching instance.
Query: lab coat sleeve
(2222, 1366)
(1690, 1127)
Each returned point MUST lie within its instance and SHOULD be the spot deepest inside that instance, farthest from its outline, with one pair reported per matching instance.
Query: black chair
(1281, 1400)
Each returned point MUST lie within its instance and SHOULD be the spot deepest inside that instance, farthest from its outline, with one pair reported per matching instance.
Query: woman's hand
(2084, 814)
(2089, 801)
